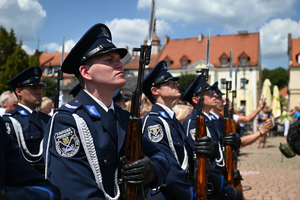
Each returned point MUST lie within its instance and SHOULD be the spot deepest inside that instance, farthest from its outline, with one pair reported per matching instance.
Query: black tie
(109, 123)
(36, 117)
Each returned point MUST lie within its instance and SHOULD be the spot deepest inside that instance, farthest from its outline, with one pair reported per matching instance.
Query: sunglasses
(209, 93)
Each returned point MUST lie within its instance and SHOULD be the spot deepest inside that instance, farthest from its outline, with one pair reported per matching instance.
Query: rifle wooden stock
(133, 151)
(237, 181)
(229, 161)
(201, 173)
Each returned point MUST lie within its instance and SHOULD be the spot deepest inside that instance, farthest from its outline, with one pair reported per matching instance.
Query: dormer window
(243, 61)
(244, 58)
(184, 63)
(224, 62)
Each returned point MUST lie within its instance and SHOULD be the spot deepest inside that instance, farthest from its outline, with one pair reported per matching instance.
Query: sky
(42, 24)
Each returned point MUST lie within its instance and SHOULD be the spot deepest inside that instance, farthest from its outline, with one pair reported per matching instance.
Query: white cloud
(133, 32)
(52, 47)
(24, 16)
(235, 15)
(274, 37)
(28, 50)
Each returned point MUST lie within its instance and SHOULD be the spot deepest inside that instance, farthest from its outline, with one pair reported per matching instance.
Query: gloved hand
(237, 194)
(233, 140)
(205, 145)
(140, 172)
(4, 195)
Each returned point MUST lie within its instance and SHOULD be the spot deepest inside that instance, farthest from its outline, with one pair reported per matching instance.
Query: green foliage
(8, 42)
(49, 90)
(277, 77)
(34, 60)
(185, 81)
(15, 63)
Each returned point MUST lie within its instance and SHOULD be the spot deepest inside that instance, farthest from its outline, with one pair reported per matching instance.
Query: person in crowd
(286, 119)
(182, 111)
(120, 99)
(297, 113)
(163, 130)
(85, 139)
(46, 106)
(25, 123)
(4, 101)
(75, 90)
(18, 179)
(12, 103)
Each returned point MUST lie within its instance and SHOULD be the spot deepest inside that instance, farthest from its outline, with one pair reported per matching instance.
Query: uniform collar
(206, 115)
(214, 114)
(168, 110)
(27, 108)
(100, 103)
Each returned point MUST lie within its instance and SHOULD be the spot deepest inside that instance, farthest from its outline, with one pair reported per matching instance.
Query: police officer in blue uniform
(120, 99)
(18, 179)
(26, 124)
(85, 138)
(163, 129)
(75, 90)
(221, 188)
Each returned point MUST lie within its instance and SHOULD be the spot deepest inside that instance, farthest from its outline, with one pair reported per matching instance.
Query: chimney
(200, 37)
(242, 32)
(166, 40)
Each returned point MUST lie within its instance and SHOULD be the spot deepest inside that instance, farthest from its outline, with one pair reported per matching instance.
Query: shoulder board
(117, 107)
(71, 106)
(11, 112)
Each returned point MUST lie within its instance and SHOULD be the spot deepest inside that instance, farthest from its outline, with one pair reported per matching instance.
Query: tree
(34, 60)
(49, 90)
(8, 42)
(277, 77)
(185, 81)
(13, 59)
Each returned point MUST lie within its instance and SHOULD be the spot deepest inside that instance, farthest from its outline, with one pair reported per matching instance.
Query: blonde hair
(45, 102)
(182, 111)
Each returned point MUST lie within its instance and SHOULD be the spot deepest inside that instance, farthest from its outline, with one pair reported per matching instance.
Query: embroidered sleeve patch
(66, 142)
(7, 128)
(192, 133)
(155, 133)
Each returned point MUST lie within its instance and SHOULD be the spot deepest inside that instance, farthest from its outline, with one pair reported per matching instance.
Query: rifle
(133, 148)
(227, 130)
(236, 174)
(200, 176)
(59, 78)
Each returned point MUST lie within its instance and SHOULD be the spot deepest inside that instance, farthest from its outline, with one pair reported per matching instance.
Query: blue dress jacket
(221, 188)
(68, 167)
(177, 185)
(33, 129)
(19, 178)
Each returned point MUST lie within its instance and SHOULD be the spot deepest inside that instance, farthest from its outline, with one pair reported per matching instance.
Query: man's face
(210, 98)
(107, 71)
(220, 103)
(30, 96)
(169, 90)
(5, 102)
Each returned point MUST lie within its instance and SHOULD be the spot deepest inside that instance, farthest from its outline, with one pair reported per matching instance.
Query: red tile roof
(284, 91)
(295, 52)
(51, 59)
(220, 46)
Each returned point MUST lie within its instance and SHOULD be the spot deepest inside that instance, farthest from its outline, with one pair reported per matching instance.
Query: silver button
(105, 161)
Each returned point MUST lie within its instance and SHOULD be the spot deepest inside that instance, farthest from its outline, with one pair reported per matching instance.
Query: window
(223, 83)
(243, 61)
(168, 64)
(244, 83)
(184, 63)
(224, 62)
(49, 71)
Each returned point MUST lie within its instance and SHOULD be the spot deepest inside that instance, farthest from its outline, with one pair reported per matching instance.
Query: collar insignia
(93, 110)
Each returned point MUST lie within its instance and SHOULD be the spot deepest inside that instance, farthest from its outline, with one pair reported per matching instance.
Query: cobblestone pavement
(265, 176)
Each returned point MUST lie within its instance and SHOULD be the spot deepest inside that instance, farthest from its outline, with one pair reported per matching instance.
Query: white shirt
(100, 102)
